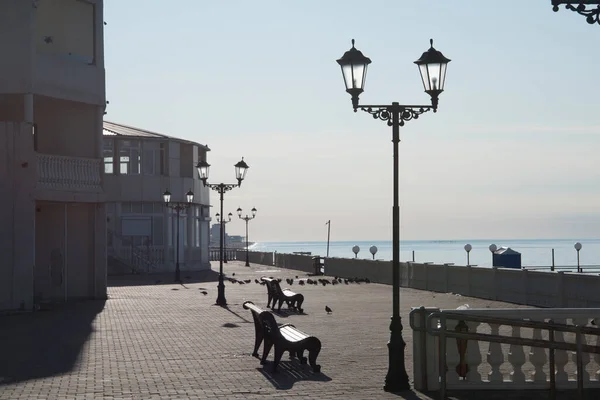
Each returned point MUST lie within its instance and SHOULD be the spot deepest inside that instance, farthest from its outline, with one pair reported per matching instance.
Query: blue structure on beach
(506, 257)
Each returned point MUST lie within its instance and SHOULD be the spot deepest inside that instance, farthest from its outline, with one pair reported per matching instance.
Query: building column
(100, 242)
(189, 240)
(17, 213)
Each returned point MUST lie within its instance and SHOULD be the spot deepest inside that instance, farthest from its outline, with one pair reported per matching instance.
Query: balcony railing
(69, 173)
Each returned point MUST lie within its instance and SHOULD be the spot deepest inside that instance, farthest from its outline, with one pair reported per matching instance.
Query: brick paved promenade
(158, 340)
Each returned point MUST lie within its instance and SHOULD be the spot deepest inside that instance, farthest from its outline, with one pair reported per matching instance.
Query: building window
(130, 161)
(154, 158)
(108, 152)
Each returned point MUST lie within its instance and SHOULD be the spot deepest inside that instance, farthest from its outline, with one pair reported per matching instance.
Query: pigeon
(328, 309)
(296, 276)
(256, 281)
(233, 274)
(204, 292)
(247, 280)
(301, 283)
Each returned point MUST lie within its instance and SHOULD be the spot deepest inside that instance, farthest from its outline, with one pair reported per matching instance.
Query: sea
(535, 253)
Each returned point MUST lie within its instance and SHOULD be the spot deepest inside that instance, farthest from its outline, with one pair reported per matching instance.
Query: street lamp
(592, 15)
(218, 216)
(468, 249)
(246, 218)
(240, 173)
(432, 66)
(178, 207)
(578, 247)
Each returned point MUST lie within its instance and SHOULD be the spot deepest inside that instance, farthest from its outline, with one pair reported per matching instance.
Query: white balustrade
(493, 365)
(69, 173)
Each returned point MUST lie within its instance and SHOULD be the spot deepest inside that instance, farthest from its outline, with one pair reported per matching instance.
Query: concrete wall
(534, 288)
(30, 65)
(17, 215)
(66, 128)
(16, 46)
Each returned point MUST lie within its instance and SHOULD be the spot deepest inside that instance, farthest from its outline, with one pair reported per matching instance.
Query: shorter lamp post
(355, 250)
(578, 247)
(178, 207)
(246, 218)
(223, 225)
(241, 168)
(468, 249)
(373, 250)
(493, 248)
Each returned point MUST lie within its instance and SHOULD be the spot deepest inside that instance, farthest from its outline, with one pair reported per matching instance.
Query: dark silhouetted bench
(284, 338)
(276, 294)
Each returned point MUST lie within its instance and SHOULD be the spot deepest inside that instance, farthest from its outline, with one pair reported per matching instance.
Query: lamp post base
(221, 301)
(396, 379)
(177, 273)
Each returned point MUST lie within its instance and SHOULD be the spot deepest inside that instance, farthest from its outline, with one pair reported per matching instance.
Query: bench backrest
(256, 312)
(270, 325)
(272, 285)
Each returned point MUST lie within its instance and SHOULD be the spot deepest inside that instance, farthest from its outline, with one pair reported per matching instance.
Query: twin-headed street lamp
(178, 207)
(240, 173)
(246, 218)
(432, 65)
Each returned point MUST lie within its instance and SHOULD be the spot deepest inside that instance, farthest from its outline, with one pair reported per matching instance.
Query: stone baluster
(561, 358)
(596, 342)
(538, 357)
(452, 355)
(516, 356)
(495, 357)
(473, 355)
(586, 359)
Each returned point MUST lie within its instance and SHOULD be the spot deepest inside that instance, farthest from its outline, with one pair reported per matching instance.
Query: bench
(284, 338)
(276, 294)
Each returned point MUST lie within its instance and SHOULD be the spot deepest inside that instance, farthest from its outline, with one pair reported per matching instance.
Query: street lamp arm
(221, 187)
(405, 112)
(592, 15)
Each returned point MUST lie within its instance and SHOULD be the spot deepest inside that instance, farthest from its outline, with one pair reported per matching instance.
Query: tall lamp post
(178, 207)
(432, 66)
(218, 216)
(247, 218)
(240, 173)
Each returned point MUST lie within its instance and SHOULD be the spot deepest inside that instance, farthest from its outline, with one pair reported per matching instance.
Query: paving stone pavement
(154, 339)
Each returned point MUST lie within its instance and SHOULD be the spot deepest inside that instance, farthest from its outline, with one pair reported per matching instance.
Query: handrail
(440, 330)
(135, 252)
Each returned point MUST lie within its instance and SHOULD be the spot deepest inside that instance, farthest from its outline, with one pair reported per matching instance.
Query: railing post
(442, 364)
(579, 339)
(551, 363)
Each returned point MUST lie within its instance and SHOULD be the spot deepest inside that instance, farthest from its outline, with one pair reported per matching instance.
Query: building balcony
(63, 178)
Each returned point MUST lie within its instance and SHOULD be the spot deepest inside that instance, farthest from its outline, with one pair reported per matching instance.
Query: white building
(139, 166)
(52, 101)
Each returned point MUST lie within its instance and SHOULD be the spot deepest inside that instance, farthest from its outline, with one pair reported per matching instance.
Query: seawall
(534, 288)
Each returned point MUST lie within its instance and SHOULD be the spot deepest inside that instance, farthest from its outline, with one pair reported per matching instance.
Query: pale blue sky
(513, 151)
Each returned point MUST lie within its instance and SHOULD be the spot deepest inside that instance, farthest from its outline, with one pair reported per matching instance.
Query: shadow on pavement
(162, 278)
(45, 343)
(290, 372)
